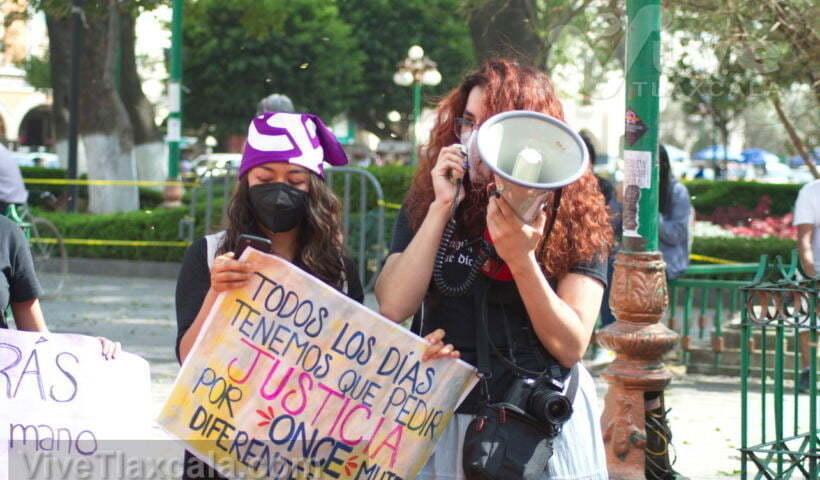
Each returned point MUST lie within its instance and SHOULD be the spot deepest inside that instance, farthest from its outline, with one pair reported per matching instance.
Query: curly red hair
(582, 229)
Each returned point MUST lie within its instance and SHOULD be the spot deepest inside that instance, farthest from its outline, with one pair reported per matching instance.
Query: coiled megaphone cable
(438, 270)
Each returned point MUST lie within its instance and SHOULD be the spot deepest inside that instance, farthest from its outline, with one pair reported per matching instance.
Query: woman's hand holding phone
(228, 273)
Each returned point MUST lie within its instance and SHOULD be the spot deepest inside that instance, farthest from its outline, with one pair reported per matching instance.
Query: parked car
(37, 159)
(216, 164)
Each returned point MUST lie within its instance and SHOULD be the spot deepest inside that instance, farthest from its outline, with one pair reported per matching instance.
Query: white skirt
(578, 452)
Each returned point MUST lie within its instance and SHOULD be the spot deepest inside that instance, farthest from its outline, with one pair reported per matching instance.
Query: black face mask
(278, 206)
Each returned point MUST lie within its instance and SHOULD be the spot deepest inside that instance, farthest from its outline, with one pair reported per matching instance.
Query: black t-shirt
(18, 282)
(507, 320)
(195, 280)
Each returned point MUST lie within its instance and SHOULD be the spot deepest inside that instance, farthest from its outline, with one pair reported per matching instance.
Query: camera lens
(550, 406)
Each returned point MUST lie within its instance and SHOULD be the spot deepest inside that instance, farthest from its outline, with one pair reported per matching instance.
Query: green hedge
(708, 195)
(151, 225)
(742, 249)
(394, 179)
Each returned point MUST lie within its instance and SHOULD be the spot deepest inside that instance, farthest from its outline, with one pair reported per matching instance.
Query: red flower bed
(753, 223)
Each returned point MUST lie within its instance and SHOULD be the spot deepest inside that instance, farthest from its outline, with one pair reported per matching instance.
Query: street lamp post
(639, 300)
(416, 70)
(173, 193)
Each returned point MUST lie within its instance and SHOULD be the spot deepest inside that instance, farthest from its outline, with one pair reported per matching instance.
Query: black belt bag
(512, 439)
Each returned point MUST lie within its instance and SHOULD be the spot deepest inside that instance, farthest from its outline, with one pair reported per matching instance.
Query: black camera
(540, 400)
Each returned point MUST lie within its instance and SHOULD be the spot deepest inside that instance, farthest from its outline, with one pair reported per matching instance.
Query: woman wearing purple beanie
(281, 195)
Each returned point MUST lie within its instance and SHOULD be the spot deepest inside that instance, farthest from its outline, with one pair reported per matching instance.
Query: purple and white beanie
(296, 138)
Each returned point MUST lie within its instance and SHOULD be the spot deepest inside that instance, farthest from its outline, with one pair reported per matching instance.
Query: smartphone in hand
(259, 243)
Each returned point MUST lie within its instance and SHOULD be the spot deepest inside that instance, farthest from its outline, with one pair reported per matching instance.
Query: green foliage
(151, 225)
(742, 249)
(708, 195)
(38, 72)
(394, 179)
(385, 30)
(310, 55)
(735, 54)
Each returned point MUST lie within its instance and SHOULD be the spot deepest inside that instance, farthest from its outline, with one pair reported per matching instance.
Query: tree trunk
(59, 47)
(105, 129)
(793, 136)
(149, 146)
(504, 28)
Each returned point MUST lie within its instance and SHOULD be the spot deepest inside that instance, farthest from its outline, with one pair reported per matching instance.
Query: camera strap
(552, 371)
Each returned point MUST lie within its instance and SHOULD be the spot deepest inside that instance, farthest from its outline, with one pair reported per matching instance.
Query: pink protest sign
(290, 378)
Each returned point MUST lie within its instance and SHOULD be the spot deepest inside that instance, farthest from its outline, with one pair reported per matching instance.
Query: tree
(385, 30)
(104, 127)
(239, 51)
(149, 146)
(524, 29)
(766, 50)
(114, 113)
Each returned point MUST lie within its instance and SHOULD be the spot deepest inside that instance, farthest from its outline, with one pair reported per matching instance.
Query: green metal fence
(701, 301)
(779, 435)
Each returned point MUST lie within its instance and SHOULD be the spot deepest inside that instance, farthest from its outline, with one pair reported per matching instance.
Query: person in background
(12, 188)
(807, 220)
(276, 102)
(675, 209)
(20, 290)
(603, 356)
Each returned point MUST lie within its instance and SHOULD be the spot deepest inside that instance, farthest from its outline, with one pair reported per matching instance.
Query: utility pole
(637, 376)
(173, 193)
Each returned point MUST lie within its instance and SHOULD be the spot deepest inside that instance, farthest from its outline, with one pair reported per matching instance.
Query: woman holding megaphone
(516, 289)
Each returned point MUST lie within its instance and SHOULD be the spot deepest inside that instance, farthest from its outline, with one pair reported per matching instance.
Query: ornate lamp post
(638, 377)
(416, 70)
(173, 193)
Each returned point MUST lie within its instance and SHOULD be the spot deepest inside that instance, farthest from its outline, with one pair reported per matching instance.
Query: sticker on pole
(635, 128)
(637, 175)
(638, 168)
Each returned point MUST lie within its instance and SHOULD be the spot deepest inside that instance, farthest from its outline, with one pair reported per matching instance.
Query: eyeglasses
(463, 127)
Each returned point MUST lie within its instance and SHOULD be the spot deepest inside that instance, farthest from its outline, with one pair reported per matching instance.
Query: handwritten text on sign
(290, 378)
(65, 406)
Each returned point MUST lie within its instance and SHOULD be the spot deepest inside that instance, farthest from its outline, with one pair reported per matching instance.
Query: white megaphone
(530, 154)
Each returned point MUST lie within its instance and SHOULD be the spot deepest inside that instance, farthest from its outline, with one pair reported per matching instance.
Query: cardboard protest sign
(291, 379)
(62, 401)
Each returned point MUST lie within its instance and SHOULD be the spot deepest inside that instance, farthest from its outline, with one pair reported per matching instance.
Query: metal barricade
(779, 432)
(701, 302)
(362, 219)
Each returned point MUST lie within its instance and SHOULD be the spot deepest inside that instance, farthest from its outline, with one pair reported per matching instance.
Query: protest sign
(61, 400)
(291, 379)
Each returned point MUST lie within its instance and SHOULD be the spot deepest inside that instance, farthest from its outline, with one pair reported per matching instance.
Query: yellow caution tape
(132, 183)
(704, 258)
(116, 243)
(394, 206)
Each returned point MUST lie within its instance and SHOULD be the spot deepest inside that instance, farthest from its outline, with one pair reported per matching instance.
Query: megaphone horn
(530, 154)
